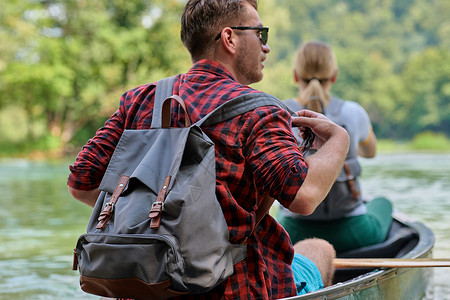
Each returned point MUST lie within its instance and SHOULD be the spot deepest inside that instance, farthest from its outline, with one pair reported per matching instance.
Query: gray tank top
(340, 202)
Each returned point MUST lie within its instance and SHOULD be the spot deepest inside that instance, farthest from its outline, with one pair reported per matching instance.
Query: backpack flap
(193, 213)
(133, 150)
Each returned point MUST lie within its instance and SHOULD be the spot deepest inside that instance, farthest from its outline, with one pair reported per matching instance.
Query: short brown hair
(202, 20)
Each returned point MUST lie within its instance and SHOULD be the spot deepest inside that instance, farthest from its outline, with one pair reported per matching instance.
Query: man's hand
(332, 142)
(320, 125)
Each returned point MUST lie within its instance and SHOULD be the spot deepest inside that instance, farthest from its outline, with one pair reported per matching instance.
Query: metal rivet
(121, 185)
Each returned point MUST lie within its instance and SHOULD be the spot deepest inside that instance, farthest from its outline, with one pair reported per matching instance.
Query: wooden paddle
(344, 263)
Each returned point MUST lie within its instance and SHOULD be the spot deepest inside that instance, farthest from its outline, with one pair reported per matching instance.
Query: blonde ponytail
(315, 64)
(314, 96)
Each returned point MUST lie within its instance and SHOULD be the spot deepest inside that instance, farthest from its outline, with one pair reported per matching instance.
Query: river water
(40, 222)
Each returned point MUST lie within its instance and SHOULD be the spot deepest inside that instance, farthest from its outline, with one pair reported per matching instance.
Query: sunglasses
(262, 31)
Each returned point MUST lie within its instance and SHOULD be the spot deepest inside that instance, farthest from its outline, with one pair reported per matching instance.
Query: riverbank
(424, 142)
(427, 142)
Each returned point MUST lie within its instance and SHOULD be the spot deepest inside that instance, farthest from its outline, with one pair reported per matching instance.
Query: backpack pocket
(108, 265)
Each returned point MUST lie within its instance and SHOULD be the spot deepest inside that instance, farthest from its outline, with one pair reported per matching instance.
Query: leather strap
(351, 181)
(263, 209)
(75, 260)
(106, 214)
(166, 110)
(156, 211)
(261, 212)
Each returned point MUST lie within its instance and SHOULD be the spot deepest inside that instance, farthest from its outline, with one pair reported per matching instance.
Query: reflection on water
(418, 185)
(40, 222)
(39, 225)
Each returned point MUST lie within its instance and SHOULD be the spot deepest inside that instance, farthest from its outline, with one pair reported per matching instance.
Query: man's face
(251, 53)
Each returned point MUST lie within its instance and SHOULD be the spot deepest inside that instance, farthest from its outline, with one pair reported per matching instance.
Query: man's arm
(332, 142)
(88, 197)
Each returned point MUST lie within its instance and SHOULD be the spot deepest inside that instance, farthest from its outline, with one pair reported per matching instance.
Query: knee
(322, 254)
(382, 202)
(314, 245)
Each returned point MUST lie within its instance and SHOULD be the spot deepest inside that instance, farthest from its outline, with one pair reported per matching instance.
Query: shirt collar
(211, 66)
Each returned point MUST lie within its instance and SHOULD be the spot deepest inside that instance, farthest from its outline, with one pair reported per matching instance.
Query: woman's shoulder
(346, 105)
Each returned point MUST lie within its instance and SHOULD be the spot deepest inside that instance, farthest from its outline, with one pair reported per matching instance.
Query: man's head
(202, 20)
(228, 31)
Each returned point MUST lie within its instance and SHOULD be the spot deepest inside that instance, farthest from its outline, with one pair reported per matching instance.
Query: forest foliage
(65, 63)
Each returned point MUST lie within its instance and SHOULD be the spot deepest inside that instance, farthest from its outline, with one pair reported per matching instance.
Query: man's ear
(228, 40)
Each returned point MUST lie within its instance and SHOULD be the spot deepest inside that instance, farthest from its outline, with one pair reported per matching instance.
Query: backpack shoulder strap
(236, 107)
(164, 88)
(335, 106)
(240, 105)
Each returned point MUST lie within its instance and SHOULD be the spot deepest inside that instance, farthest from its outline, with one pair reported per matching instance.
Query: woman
(343, 218)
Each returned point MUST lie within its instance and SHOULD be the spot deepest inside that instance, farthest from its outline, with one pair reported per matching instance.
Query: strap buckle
(110, 205)
(160, 203)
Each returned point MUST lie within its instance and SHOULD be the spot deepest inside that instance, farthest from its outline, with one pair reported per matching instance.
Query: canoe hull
(395, 283)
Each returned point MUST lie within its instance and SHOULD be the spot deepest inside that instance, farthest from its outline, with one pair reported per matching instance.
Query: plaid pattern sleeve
(256, 154)
(135, 109)
(91, 162)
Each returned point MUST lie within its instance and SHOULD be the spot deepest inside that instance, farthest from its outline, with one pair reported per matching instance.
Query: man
(256, 153)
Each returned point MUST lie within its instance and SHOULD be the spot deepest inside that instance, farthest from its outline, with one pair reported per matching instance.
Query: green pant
(346, 233)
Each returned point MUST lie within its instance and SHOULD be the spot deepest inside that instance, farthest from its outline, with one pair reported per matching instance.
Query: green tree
(65, 63)
(85, 54)
(427, 92)
(375, 42)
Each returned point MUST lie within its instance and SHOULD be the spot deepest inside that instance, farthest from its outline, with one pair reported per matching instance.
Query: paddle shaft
(344, 263)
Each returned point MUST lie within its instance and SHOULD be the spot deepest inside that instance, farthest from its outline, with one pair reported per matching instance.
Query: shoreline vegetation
(63, 71)
(423, 142)
(427, 142)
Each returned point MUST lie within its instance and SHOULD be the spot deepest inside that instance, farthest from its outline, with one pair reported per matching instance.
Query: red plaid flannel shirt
(255, 148)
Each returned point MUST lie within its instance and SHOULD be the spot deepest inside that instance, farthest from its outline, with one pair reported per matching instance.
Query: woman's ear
(296, 78)
(334, 77)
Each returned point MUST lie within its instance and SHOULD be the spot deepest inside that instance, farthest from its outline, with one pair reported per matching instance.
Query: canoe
(407, 239)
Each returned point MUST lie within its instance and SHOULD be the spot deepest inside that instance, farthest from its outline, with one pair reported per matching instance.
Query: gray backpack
(157, 229)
